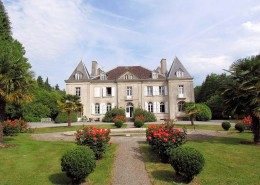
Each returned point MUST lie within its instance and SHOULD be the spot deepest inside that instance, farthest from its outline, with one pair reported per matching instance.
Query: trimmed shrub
(240, 127)
(149, 116)
(96, 139)
(163, 138)
(138, 123)
(110, 115)
(204, 113)
(13, 127)
(119, 124)
(78, 163)
(187, 162)
(226, 125)
(63, 117)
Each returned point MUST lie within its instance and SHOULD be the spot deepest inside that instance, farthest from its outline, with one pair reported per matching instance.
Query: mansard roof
(177, 66)
(138, 71)
(80, 69)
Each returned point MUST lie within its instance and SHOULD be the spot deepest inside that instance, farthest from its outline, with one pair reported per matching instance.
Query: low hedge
(226, 125)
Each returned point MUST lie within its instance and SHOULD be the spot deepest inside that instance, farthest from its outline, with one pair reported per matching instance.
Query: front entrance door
(129, 110)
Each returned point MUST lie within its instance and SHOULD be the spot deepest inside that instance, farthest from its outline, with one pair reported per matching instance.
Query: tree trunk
(192, 120)
(256, 129)
(69, 120)
(2, 118)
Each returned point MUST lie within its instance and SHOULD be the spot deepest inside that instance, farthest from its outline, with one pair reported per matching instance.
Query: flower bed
(163, 138)
(119, 120)
(13, 127)
(96, 139)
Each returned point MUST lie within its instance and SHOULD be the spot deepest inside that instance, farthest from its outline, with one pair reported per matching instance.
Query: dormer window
(131, 77)
(126, 77)
(154, 75)
(78, 76)
(103, 76)
(179, 73)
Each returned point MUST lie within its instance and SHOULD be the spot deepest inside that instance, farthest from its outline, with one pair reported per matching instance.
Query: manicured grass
(72, 128)
(38, 162)
(227, 162)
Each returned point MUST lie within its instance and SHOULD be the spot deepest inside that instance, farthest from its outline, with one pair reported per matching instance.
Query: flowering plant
(163, 138)
(119, 118)
(13, 127)
(247, 121)
(140, 118)
(96, 139)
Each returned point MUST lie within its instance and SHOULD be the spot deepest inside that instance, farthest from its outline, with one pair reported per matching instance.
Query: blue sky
(206, 35)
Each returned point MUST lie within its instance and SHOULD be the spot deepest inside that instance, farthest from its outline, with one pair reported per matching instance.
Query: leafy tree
(40, 81)
(216, 105)
(70, 104)
(46, 84)
(5, 28)
(33, 112)
(242, 96)
(191, 109)
(57, 88)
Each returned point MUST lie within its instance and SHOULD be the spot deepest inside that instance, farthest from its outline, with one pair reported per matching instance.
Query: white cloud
(254, 27)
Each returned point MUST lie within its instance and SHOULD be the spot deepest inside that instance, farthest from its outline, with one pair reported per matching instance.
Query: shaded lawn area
(72, 128)
(226, 162)
(38, 162)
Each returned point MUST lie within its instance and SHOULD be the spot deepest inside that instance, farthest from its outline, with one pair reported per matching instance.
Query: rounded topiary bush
(187, 162)
(205, 113)
(138, 124)
(78, 163)
(119, 124)
(226, 125)
(240, 127)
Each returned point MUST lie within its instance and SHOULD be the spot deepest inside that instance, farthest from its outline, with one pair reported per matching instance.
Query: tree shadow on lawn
(59, 178)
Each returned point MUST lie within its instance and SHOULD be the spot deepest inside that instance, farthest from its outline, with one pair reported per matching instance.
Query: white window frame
(162, 90)
(181, 89)
(78, 76)
(97, 108)
(109, 107)
(162, 107)
(102, 77)
(78, 91)
(126, 77)
(129, 90)
(150, 107)
(180, 105)
(179, 73)
(149, 90)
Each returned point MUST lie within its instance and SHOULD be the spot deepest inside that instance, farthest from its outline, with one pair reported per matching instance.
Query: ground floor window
(181, 106)
(109, 107)
(162, 107)
(150, 107)
(97, 108)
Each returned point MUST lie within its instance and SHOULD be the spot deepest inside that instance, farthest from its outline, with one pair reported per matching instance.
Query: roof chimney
(94, 69)
(163, 66)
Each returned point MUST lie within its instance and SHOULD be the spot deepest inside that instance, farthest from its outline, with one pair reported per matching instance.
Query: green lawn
(38, 162)
(72, 128)
(227, 162)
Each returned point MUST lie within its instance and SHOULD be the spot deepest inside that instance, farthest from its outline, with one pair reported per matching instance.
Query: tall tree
(47, 84)
(70, 104)
(40, 81)
(242, 96)
(15, 74)
(57, 88)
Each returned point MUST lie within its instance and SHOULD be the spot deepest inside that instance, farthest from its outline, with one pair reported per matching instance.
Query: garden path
(129, 168)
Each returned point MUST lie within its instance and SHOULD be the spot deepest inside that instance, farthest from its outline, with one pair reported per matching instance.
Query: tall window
(78, 91)
(150, 107)
(126, 77)
(109, 107)
(78, 76)
(97, 108)
(129, 91)
(181, 106)
(162, 107)
(149, 90)
(181, 89)
(179, 73)
(161, 90)
(103, 76)
(109, 91)
(131, 77)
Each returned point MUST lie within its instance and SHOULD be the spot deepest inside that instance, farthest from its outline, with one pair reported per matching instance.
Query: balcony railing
(181, 96)
(128, 97)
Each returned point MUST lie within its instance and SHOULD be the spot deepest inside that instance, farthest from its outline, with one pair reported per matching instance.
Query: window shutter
(154, 107)
(113, 91)
(113, 105)
(166, 90)
(104, 92)
(97, 92)
(145, 90)
(158, 107)
(92, 108)
(102, 108)
(166, 107)
(146, 106)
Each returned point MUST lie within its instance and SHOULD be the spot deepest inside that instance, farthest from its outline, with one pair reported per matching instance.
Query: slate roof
(81, 68)
(176, 66)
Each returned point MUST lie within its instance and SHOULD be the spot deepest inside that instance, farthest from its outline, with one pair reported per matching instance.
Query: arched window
(97, 108)
(181, 106)
(162, 107)
(126, 77)
(150, 107)
(78, 75)
(109, 107)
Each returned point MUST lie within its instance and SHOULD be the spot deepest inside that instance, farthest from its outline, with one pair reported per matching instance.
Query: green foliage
(187, 162)
(215, 103)
(5, 27)
(138, 123)
(78, 163)
(226, 125)
(149, 116)
(33, 112)
(13, 127)
(204, 113)
(119, 124)
(110, 115)
(240, 127)
(63, 117)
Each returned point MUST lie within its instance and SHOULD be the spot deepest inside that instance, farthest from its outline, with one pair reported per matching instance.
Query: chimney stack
(163, 66)
(94, 70)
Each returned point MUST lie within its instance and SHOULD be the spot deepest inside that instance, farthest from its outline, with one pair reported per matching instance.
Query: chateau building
(160, 91)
